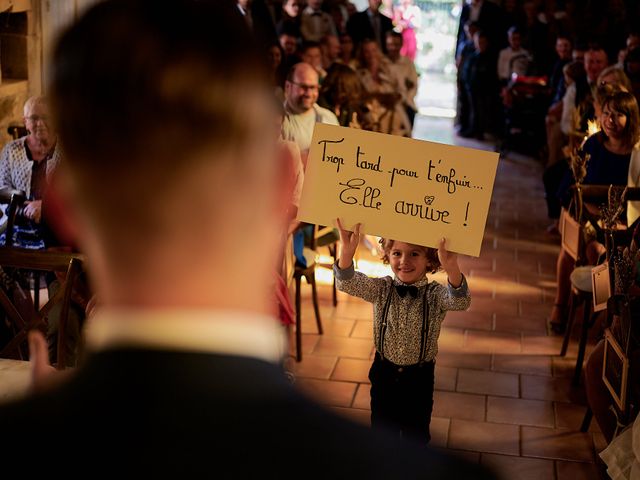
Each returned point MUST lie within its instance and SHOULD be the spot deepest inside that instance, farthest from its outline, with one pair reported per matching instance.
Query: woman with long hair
(610, 152)
(341, 92)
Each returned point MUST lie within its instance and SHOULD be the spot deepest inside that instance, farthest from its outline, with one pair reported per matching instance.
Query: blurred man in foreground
(178, 212)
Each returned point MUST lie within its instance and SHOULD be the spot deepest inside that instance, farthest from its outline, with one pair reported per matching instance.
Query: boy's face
(408, 262)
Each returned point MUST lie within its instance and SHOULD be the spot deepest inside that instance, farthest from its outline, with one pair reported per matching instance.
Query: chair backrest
(621, 371)
(67, 264)
(10, 202)
(17, 131)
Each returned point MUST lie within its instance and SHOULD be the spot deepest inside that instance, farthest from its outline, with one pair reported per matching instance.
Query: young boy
(408, 311)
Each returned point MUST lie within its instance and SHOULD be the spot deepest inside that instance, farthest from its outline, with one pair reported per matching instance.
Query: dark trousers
(402, 398)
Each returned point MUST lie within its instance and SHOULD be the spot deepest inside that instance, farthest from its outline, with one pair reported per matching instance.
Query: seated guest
(27, 164)
(557, 87)
(556, 79)
(610, 155)
(289, 43)
(595, 60)
(632, 69)
(301, 110)
(405, 71)
(377, 78)
(314, 23)
(556, 167)
(290, 20)
(347, 51)
(342, 93)
(330, 47)
(275, 58)
(311, 53)
(508, 58)
(183, 363)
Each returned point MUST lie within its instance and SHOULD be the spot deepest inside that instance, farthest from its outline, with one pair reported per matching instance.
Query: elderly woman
(27, 164)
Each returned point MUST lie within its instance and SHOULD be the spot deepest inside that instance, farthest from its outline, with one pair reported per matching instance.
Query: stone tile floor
(503, 395)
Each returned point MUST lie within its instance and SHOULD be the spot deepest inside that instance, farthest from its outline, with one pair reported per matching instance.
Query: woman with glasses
(27, 164)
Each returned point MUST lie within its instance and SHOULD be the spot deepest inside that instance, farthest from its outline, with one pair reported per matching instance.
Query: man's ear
(59, 210)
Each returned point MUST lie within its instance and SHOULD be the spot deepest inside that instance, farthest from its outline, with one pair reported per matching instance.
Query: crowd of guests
(510, 46)
(581, 65)
(363, 60)
(331, 64)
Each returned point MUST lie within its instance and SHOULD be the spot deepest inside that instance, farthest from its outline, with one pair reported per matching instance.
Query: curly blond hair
(433, 264)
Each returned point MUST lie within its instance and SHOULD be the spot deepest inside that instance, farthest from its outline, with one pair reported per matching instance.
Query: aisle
(503, 396)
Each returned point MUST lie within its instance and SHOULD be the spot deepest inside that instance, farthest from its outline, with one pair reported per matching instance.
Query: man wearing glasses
(302, 112)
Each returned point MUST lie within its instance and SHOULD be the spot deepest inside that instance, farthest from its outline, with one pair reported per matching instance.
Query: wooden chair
(325, 238)
(586, 199)
(12, 200)
(44, 261)
(309, 274)
(17, 131)
(573, 224)
(624, 388)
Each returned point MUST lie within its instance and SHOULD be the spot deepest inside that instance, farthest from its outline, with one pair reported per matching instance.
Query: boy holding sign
(408, 311)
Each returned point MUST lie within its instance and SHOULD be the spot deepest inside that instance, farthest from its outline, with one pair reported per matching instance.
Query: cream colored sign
(400, 188)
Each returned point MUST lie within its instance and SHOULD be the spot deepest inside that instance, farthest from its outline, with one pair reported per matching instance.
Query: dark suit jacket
(491, 21)
(359, 27)
(195, 415)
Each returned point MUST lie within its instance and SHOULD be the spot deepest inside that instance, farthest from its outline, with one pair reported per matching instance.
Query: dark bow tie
(404, 289)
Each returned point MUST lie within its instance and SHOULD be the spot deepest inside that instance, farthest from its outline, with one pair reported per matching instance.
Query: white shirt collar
(225, 332)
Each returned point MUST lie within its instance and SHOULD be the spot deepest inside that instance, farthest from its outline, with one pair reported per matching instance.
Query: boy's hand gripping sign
(408, 190)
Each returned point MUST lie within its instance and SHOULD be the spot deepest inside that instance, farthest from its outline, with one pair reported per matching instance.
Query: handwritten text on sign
(400, 188)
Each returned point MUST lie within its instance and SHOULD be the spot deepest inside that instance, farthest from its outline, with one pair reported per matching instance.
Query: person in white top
(301, 111)
(314, 23)
(405, 71)
(508, 59)
(595, 61)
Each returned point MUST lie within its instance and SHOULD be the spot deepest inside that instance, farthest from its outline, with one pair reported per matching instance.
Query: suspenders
(425, 322)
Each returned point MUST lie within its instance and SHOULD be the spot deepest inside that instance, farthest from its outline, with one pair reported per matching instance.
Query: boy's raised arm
(449, 262)
(348, 245)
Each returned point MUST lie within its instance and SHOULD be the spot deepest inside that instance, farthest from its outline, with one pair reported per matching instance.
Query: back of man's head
(136, 79)
(150, 100)
(141, 87)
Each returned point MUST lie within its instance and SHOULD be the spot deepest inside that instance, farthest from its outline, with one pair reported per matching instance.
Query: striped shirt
(401, 334)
